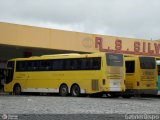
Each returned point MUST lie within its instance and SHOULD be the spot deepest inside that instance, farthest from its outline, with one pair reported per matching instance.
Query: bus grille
(95, 85)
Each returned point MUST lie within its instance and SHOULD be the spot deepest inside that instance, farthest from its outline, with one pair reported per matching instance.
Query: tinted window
(130, 66)
(21, 66)
(147, 62)
(114, 59)
(43, 65)
(60, 64)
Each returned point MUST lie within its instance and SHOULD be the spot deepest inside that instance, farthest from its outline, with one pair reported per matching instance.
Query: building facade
(23, 41)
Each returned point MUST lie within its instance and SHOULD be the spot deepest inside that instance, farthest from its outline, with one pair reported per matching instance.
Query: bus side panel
(51, 81)
(44, 81)
(85, 81)
(148, 79)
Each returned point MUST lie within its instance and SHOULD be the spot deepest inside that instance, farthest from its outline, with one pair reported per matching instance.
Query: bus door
(130, 74)
(115, 71)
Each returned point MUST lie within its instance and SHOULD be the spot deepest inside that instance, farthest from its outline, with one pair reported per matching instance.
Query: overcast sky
(126, 18)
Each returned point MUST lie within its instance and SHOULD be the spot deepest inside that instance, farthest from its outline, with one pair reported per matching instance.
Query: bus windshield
(147, 62)
(114, 59)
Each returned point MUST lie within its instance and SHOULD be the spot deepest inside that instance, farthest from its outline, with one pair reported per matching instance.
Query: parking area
(28, 104)
(34, 107)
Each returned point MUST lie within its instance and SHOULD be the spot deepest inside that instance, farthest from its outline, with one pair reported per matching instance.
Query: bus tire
(75, 90)
(17, 89)
(63, 90)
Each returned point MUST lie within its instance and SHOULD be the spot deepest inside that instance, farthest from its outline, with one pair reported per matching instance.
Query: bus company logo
(4, 117)
(87, 42)
(139, 48)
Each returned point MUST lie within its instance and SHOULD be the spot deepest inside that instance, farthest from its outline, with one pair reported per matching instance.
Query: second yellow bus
(141, 76)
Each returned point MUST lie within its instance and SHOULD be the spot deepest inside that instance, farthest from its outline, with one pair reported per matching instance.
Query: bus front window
(114, 59)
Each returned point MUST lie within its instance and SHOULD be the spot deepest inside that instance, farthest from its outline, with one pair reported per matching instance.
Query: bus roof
(69, 54)
(59, 56)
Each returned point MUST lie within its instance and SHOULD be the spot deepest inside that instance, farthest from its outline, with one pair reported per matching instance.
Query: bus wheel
(75, 90)
(63, 90)
(17, 89)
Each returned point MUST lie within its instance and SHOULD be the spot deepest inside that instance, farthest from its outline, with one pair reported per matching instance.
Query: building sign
(128, 47)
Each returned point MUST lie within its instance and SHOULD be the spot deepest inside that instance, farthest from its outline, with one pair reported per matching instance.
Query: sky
(124, 18)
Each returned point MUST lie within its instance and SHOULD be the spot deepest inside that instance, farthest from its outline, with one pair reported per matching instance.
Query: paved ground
(27, 104)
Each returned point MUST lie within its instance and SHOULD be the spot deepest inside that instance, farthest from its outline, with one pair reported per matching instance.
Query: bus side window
(48, 65)
(30, 65)
(43, 65)
(58, 65)
(19, 66)
(88, 64)
(67, 64)
(35, 65)
(79, 64)
(130, 66)
(73, 64)
(84, 64)
(96, 64)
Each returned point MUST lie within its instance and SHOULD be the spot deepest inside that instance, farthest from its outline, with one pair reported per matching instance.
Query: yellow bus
(66, 74)
(141, 76)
